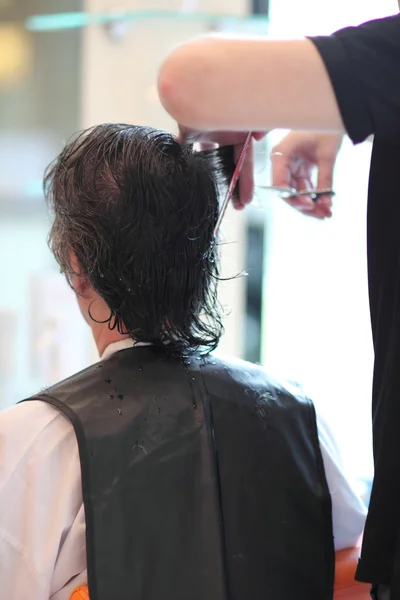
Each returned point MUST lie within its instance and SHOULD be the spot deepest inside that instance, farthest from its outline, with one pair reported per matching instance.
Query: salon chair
(345, 586)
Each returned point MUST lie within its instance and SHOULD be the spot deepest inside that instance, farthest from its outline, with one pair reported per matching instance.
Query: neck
(103, 337)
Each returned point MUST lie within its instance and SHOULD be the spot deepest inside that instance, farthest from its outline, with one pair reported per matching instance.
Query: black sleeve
(364, 67)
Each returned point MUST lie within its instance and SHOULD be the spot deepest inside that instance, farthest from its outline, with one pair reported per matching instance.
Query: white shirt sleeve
(348, 510)
(42, 530)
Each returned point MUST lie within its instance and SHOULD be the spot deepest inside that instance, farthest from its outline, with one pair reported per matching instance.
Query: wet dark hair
(139, 209)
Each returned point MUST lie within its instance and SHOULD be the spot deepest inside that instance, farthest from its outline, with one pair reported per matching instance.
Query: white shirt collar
(121, 345)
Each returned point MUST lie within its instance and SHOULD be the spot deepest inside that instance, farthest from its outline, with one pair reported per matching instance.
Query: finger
(219, 138)
(303, 182)
(325, 179)
(310, 206)
(259, 135)
(185, 135)
(301, 204)
(282, 176)
(317, 212)
(326, 200)
(301, 175)
(325, 172)
(207, 146)
(192, 136)
(311, 210)
(283, 168)
(280, 169)
(316, 215)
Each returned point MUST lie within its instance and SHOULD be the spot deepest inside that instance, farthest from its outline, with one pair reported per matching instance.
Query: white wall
(320, 17)
(317, 327)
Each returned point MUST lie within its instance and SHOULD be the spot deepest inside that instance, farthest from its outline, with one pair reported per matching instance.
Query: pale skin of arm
(213, 84)
(218, 88)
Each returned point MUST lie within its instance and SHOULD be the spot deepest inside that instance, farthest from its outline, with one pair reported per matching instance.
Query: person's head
(133, 232)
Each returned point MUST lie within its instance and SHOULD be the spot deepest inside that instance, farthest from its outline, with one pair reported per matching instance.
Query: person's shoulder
(237, 367)
(259, 376)
(34, 415)
(33, 426)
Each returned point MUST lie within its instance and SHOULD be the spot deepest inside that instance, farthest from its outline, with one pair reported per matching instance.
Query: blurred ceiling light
(15, 53)
(73, 20)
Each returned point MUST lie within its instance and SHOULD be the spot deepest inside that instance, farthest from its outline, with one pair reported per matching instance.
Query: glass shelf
(74, 20)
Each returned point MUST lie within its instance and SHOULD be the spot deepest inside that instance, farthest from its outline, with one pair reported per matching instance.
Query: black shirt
(364, 66)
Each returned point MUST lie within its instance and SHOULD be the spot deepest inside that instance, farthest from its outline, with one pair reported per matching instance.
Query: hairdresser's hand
(213, 139)
(293, 161)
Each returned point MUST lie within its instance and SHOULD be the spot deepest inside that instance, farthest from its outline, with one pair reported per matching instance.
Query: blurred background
(302, 309)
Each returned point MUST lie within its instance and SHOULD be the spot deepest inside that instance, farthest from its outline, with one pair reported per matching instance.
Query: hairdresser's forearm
(233, 84)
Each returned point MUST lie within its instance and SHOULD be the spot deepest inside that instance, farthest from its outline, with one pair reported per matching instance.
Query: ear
(80, 283)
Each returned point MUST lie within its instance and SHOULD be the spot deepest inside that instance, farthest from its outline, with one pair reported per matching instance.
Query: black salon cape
(201, 480)
(364, 67)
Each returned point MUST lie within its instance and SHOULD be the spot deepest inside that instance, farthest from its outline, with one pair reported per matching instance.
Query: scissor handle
(315, 194)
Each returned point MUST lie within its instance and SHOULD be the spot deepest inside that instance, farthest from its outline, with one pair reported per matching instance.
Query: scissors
(289, 192)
